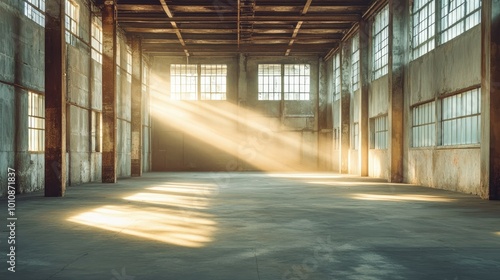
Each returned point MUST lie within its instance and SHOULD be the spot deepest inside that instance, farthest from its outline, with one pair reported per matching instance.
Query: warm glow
(497, 233)
(176, 227)
(170, 200)
(402, 197)
(344, 183)
(304, 176)
(260, 141)
(185, 189)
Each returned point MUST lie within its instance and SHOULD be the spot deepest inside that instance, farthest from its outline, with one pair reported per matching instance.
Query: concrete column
(345, 106)
(109, 92)
(364, 62)
(55, 99)
(397, 48)
(490, 89)
(136, 125)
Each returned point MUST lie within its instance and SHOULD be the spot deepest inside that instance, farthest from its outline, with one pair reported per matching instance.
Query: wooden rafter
(174, 25)
(297, 27)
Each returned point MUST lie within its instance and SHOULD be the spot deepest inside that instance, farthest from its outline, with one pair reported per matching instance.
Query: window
(183, 82)
(35, 10)
(36, 122)
(355, 136)
(424, 27)
(379, 133)
(295, 77)
(97, 40)
(96, 131)
(297, 81)
(424, 125)
(381, 43)
(458, 16)
(355, 63)
(461, 118)
(71, 22)
(185, 78)
(129, 64)
(269, 82)
(213, 82)
(336, 75)
(336, 138)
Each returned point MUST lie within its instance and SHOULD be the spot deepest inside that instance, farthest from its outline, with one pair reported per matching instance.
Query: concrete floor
(254, 226)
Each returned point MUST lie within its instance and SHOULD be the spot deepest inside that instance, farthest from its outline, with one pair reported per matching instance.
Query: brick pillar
(109, 92)
(490, 89)
(55, 99)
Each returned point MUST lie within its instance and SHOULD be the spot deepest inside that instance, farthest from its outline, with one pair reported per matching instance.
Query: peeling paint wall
(449, 68)
(21, 69)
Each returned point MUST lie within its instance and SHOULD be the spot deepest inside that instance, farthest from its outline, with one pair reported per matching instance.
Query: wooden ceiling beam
(174, 25)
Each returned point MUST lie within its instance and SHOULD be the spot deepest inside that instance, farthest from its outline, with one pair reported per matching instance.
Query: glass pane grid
(336, 67)
(461, 118)
(96, 40)
(424, 125)
(458, 16)
(71, 22)
(381, 43)
(213, 82)
(380, 133)
(36, 122)
(183, 82)
(35, 10)
(297, 82)
(269, 83)
(355, 63)
(424, 16)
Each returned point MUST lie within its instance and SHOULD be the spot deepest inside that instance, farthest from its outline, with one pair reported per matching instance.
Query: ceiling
(229, 27)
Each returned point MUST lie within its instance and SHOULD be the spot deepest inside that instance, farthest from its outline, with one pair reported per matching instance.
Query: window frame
(337, 77)
(281, 81)
(380, 43)
(195, 75)
(424, 123)
(72, 21)
(35, 10)
(36, 122)
(355, 63)
(96, 40)
(379, 132)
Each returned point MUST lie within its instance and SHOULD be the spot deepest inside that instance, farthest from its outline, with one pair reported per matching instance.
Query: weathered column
(109, 92)
(364, 132)
(55, 99)
(490, 90)
(397, 47)
(136, 125)
(345, 106)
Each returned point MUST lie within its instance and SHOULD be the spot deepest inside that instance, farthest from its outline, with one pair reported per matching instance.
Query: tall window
(97, 40)
(269, 82)
(381, 43)
(213, 82)
(36, 122)
(461, 118)
(424, 26)
(71, 21)
(355, 63)
(336, 138)
(129, 64)
(336, 75)
(379, 133)
(458, 16)
(355, 136)
(297, 81)
(96, 131)
(183, 81)
(35, 10)
(424, 125)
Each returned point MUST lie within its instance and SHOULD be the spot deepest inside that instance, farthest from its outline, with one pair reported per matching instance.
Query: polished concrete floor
(238, 226)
